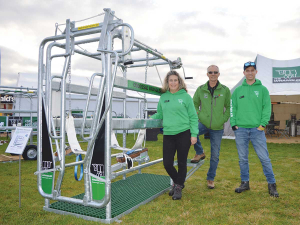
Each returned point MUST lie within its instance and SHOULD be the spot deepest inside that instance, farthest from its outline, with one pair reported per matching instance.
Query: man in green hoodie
(212, 103)
(250, 112)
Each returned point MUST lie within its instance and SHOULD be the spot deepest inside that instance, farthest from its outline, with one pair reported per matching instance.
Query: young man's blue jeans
(215, 143)
(258, 140)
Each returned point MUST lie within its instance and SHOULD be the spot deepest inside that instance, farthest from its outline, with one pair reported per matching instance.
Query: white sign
(19, 140)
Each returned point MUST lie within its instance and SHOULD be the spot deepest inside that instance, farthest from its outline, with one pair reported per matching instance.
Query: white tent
(282, 79)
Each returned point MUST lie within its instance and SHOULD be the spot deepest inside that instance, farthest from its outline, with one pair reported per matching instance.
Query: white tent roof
(266, 71)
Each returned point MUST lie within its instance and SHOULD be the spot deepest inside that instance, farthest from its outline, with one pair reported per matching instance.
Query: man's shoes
(243, 187)
(210, 184)
(177, 192)
(272, 190)
(197, 158)
(171, 192)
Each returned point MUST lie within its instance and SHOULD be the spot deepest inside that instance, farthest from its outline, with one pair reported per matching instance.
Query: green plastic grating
(125, 194)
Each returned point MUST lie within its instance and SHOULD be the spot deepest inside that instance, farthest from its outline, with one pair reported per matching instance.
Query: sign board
(26, 121)
(19, 140)
(7, 99)
(146, 88)
(286, 74)
(3, 121)
(14, 120)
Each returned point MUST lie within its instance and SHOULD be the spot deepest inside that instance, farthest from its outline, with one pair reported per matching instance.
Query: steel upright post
(109, 84)
(124, 115)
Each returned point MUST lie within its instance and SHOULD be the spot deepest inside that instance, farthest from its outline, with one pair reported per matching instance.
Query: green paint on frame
(47, 182)
(98, 188)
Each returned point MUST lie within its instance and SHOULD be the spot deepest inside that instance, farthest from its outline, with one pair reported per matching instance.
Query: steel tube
(87, 105)
(132, 50)
(114, 175)
(108, 106)
(17, 111)
(144, 45)
(154, 64)
(11, 128)
(145, 59)
(59, 55)
(192, 171)
(19, 88)
(62, 126)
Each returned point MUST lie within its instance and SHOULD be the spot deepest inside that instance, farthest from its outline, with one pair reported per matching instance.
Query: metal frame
(20, 92)
(110, 59)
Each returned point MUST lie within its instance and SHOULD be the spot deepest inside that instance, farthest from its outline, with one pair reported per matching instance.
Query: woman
(180, 128)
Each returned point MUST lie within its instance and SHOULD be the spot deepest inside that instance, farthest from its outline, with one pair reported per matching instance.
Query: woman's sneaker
(177, 192)
(171, 192)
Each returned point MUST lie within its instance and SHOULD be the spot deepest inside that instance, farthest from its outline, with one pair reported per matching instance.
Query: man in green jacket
(212, 103)
(250, 112)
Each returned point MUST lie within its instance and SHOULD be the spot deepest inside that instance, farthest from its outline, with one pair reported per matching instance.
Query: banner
(286, 74)
(7, 99)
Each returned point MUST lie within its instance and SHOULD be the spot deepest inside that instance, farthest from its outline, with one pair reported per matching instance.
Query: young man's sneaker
(210, 184)
(243, 187)
(197, 158)
(272, 190)
(177, 192)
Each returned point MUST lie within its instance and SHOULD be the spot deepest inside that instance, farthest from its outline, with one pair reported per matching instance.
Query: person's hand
(234, 128)
(193, 140)
(261, 128)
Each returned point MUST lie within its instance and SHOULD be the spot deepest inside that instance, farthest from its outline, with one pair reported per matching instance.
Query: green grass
(199, 205)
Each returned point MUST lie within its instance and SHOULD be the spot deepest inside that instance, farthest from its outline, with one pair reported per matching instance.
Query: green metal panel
(98, 188)
(47, 182)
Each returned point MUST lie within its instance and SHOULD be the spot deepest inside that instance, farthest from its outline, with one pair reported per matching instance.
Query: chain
(82, 19)
(20, 99)
(69, 86)
(146, 73)
(159, 76)
(146, 69)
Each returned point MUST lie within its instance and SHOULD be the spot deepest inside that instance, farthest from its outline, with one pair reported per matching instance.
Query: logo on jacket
(180, 101)
(205, 95)
(257, 93)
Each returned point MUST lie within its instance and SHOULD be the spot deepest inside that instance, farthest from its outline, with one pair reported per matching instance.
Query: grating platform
(126, 195)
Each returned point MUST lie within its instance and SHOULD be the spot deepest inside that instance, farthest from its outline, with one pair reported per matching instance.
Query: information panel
(19, 140)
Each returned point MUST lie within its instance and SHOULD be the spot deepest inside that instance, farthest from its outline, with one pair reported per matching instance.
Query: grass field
(199, 204)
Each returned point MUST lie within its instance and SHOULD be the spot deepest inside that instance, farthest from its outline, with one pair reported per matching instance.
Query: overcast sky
(225, 33)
